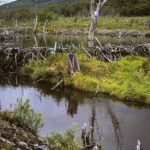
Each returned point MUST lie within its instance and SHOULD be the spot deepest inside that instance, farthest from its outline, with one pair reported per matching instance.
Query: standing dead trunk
(73, 63)
(35, 25)
(44, 27)
(94, 18)
(35, 40)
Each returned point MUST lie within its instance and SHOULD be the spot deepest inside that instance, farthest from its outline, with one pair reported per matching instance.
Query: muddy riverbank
(14, 137)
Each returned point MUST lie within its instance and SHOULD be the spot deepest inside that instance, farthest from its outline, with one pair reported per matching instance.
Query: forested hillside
(69, 8)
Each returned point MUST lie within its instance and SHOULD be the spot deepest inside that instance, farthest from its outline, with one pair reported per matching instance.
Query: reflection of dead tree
(72, 105)
(116, 126)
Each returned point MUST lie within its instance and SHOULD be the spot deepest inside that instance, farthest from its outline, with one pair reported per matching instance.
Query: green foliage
(6, 115)
(82, 7)
(6, 146)
(46, 14)
(130, 7)
(26, 116)
(128, 78)
(63, 141)
(53, 69)
(55, 23)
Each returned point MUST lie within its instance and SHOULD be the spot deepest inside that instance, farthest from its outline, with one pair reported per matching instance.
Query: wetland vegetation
(111, 59)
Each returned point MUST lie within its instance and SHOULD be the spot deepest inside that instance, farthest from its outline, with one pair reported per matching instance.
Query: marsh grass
(83, 23)
(127, 79)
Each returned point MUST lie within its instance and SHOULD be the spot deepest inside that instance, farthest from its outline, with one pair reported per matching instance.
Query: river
(117, 125)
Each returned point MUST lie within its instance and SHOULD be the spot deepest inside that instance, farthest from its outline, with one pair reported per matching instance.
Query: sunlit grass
(127, 79)
(83, 23)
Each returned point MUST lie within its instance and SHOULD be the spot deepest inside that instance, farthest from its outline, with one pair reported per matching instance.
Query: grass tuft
(127, 79)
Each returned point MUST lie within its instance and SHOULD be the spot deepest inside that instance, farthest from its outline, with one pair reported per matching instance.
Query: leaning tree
(95, 12)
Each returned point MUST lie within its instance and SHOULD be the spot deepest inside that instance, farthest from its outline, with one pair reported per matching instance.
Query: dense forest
(68, 8)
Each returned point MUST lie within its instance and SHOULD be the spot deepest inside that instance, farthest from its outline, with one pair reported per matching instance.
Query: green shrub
(27, 117)
(63, 141)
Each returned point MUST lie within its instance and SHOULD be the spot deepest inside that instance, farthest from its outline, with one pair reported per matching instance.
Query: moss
(127, 79)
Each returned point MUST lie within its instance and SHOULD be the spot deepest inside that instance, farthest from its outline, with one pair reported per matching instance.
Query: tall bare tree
(95, 12)
(36, 20)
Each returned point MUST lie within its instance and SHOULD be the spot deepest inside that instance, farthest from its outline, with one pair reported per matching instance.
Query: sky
(5, 1)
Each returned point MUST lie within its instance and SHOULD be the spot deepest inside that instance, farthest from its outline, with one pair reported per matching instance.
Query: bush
(64, 141)
(45, 14)
(27, 117)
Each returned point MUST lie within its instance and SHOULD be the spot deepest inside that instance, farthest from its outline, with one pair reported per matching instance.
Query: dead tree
(44, 27)
(95, 11)
(35, 25)
(35, 21)
(73, 63)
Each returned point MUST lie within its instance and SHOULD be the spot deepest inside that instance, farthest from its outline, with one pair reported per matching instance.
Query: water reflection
(119, 125)
(116, 125)
(47, 40)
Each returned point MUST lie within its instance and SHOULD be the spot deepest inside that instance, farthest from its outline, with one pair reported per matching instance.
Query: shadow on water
(26, 40)
(73, 97)
(112, 120)
(116, 126)
(101, 113)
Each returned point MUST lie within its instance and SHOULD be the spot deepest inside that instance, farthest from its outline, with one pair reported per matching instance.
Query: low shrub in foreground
(63, 141)
(26, 116)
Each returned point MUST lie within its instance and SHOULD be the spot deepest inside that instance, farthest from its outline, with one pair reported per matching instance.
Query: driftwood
(111, 53)
(11, 59)
(59, 83)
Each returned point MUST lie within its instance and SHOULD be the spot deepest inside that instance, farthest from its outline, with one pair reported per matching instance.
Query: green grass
(127, 79)
(104, 23)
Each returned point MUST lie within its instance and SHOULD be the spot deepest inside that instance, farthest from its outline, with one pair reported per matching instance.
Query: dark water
(26, 40)
(117, 125)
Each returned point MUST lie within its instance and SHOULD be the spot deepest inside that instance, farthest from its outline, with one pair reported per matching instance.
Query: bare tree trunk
(35, 40)
(35, 25)
(16, 23)
(94, 18)
(44, 27)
